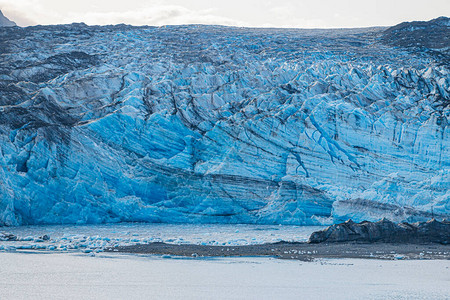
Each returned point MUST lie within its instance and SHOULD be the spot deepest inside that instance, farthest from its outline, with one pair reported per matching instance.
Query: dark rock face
(386, 231)
(4, 21)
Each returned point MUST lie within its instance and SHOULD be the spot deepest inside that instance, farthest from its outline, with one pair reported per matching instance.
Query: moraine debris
(384, 231)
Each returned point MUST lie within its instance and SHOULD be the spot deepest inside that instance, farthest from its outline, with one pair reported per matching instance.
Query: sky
(248, 13)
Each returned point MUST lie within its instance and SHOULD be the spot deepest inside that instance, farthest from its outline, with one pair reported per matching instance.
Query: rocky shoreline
(381, 240)
(298, 251)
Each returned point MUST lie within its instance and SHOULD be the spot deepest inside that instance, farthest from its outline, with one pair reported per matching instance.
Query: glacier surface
(211, 124)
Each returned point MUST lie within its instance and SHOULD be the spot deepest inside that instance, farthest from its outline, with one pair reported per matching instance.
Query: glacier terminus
(214, 124)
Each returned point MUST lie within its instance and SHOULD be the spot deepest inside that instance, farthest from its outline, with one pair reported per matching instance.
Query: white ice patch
(95, 238)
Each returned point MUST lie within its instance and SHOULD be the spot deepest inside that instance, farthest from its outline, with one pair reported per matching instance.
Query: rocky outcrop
(385, 231)
(5, 22)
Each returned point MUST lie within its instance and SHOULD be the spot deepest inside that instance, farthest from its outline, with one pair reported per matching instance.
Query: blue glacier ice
(212, 124)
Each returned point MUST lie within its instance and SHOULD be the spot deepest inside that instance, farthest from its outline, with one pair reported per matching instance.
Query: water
(114, 276)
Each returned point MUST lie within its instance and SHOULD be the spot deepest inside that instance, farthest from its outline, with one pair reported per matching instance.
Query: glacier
(4, 21)
(214, 124)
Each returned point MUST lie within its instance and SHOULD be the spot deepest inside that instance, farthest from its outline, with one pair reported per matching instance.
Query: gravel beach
(298, 251)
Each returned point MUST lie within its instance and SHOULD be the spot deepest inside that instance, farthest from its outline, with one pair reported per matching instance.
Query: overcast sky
(252, 13)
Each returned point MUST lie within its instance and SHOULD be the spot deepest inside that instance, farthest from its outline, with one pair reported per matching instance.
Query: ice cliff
(220, 124)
